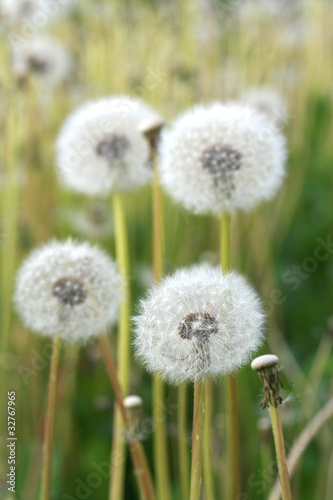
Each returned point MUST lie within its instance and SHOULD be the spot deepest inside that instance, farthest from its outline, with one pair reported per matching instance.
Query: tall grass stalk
(232, 418)
(117, 472)
(45, 491)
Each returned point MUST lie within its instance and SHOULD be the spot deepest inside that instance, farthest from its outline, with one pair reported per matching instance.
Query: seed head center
(38, 65)
(113, 147)
(69, 291)
(198, 325)
(221, 160)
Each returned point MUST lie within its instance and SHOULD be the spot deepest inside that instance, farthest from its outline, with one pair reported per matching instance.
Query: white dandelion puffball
(268, 101)
(68, 289)
(100, 147)
(198, 323)
(38, 13)
(221, 158)
(42, 57)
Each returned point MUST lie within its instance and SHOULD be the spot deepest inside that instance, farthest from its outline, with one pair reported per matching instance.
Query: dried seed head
(151, 126)
(133, 402)
(265, 361)
(133, 405)
(266, 367)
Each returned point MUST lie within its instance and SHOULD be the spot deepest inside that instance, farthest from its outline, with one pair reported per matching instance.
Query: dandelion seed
(221, 158)
(71, 290)
(198, 323)
(100, 147)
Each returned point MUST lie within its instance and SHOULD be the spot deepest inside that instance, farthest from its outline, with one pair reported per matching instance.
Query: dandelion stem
(233, 469)
(274, 412)
(49, 422)
(160, 440)
(142, 470)
(207, 444)
(302, 442)
(183, 445)
(117, 472)
(233, 473)
(195, 492)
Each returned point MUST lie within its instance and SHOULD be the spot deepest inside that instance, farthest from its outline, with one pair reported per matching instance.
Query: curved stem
(142, 471)
(117, 473)
(196, 465)
(49, 422)
(184, 468)
(274, 412)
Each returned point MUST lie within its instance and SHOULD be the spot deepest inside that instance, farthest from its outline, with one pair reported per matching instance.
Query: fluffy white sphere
(268, 101)
(38, 13)
(68, 289)
(43, 57)
(221, 158)
(100, 147)
(198, 323)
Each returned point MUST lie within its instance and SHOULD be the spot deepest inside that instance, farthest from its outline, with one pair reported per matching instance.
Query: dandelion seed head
(68, 289)
(197, 323)
(221, 158)
(100, 147)
(33, 11)
(42, 57)
(269, 102)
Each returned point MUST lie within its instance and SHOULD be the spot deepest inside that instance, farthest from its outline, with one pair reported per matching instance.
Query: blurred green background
(173, 55)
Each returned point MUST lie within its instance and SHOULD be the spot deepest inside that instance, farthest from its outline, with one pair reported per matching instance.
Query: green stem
(117, 472)
(232, 436)
(182, 442)
(208, 472)
(49, 422)
(196, 465)
(280, 452)
(160, 440)
(232, 444)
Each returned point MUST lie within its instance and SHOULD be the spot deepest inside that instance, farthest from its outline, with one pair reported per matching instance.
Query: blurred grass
(174, 55)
